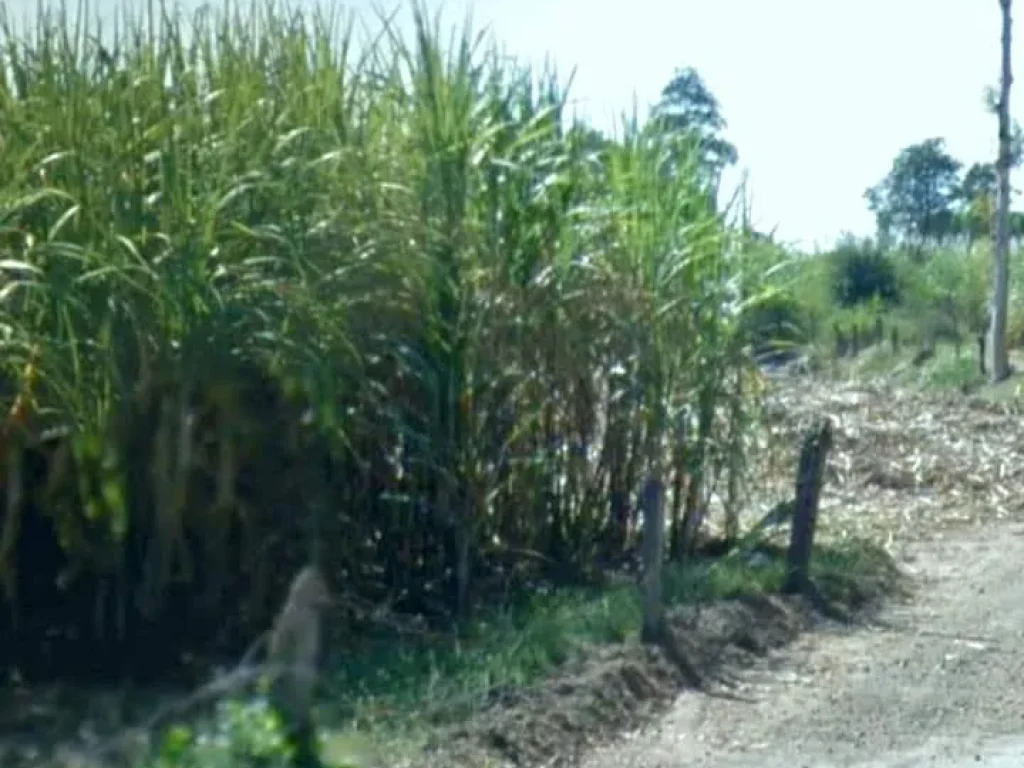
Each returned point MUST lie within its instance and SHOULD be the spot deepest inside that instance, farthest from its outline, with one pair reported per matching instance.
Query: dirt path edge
(617, 689)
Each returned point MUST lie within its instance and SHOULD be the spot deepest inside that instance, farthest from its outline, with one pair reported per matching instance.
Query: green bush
(777, 327)
(862, 272)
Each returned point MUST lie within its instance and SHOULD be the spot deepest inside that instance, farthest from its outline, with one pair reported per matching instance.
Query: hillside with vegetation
(273, 294)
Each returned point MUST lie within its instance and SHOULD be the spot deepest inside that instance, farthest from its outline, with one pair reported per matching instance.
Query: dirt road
(939, 681)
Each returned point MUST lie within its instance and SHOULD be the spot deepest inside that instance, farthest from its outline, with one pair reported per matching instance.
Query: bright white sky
(820, 95)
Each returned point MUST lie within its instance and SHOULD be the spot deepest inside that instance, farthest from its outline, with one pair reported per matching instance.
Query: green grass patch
(387, 699)
(855, 572)
(947, 370)
(417, 682)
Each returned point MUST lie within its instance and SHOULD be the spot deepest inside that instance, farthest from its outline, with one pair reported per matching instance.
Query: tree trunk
(999, 366)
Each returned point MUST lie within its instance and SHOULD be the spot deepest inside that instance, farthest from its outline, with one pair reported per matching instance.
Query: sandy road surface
(939, 681)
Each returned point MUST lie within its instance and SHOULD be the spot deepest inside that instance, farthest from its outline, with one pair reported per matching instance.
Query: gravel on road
(936, 681)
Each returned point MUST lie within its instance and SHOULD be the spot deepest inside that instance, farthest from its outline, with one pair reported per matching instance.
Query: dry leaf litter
(905, 463)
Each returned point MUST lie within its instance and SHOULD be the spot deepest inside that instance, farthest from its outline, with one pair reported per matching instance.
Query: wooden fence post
(652, 499)
(293, 655)
(841, 343)
(809, 480)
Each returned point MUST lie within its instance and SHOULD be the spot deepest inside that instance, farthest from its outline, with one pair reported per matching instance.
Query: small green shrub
(777, 326)
(948, 371)
(861, 272)
(242, 733)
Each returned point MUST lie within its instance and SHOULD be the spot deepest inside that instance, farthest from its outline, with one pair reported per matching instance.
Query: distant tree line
(931, 199)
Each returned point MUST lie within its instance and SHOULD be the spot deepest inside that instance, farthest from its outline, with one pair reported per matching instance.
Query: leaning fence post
(293, 654)
(809, 480)
(652, 553)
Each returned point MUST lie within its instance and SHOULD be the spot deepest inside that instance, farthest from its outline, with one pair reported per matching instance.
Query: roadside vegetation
(271, 292)
(925, 277)
(403, 694)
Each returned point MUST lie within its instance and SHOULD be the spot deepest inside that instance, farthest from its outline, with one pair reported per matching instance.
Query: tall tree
(978, 202)
(999, 364)
(914, 202)
(980, 180)
(688, 107)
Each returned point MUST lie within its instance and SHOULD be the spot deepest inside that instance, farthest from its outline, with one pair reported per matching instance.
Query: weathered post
(293, 657)
(841, 342)
(652, 505)
(809, 480)
(894, 339)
